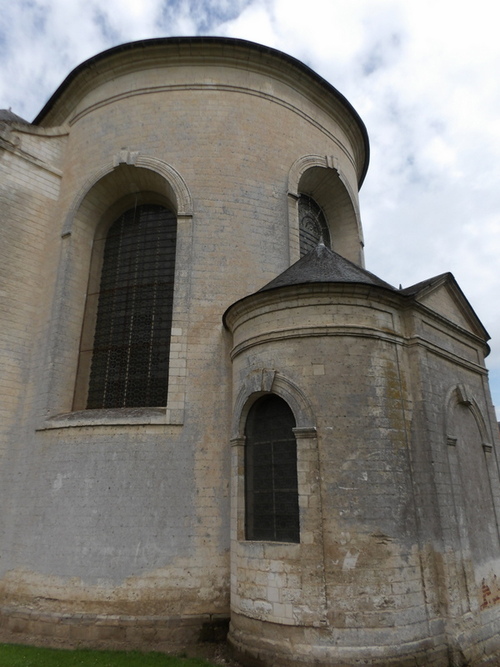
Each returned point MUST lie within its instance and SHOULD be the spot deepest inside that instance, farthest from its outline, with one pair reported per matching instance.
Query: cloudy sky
(423, 75)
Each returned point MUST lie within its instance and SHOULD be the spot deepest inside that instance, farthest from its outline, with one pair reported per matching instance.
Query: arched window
(312, 225)
(131, 347)
(271, 492)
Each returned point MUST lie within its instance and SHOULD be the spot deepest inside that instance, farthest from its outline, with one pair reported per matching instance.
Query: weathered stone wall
(126, 513)
(405, 538)
(117, 524)
(341, 351)
(456, 475)
(30, 175)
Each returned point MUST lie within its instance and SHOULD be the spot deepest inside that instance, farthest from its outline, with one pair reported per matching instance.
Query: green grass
(13, 655)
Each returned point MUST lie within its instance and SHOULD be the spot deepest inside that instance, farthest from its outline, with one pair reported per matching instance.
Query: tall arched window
(312, 225)
(271, 491)
(134, 313)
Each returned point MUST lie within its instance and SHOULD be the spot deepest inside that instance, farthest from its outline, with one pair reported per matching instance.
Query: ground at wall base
(217, 653)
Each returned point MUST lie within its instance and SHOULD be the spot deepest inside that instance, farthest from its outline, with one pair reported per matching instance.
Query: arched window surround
(308, 553)
(99, 200)
(321, 178)
(258, 383)
(267, 380)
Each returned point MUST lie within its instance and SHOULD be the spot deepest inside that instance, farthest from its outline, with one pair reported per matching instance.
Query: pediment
(443, 296)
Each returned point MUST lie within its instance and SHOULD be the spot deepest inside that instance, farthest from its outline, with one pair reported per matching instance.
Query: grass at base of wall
(14, 655)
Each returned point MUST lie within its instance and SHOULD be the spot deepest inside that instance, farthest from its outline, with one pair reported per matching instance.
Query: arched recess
(475, 488)
(121, 184)
(263, 381)
(304, 552)
(321, 178)
(128, 174)
(460, 394)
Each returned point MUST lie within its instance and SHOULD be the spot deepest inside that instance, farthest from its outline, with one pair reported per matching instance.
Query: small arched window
(312, 225)
(131, 347)
(271, 490)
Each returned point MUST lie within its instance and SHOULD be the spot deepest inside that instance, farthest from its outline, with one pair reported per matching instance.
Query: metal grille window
(134, 314)
(312, 225)
(271, 491)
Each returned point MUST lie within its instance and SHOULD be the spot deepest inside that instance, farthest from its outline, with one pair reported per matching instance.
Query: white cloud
(254, 19)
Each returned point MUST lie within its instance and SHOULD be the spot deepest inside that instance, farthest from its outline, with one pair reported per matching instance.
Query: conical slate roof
(8, 116)
(322, 265)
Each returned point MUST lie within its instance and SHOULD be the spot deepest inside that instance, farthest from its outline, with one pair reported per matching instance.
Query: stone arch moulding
(262, 381)
(73, 274)
(321, 177)
(460, 394)
(474, 485)
(306, 162)
(172, 177)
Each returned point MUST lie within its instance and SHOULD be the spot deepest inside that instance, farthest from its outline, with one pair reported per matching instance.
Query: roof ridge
(422, 284)
(323, 265)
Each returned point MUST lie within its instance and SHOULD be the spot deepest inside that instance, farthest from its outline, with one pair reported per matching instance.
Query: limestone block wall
(127, 525)
(459, 503)
(30, 175)
(399, 515)
(123, 515)
(358, 515)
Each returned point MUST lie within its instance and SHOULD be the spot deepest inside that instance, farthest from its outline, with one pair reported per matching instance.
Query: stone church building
(210, 410)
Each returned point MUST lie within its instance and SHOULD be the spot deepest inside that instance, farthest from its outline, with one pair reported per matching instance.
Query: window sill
(272, 550)
(113, 417)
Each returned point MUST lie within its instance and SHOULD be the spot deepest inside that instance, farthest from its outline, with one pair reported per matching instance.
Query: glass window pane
(271, 489)
(134, 313)
(312, 225)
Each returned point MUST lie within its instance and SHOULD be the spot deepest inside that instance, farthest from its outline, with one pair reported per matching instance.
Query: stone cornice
(294, 296)
(206, 51)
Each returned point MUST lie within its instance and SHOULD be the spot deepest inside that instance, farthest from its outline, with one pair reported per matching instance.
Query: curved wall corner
(117, 521)
(294, 604)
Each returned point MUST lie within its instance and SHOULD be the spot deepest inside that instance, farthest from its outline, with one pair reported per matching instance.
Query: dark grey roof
(322, 265)
(430, 282)
(8, 116)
